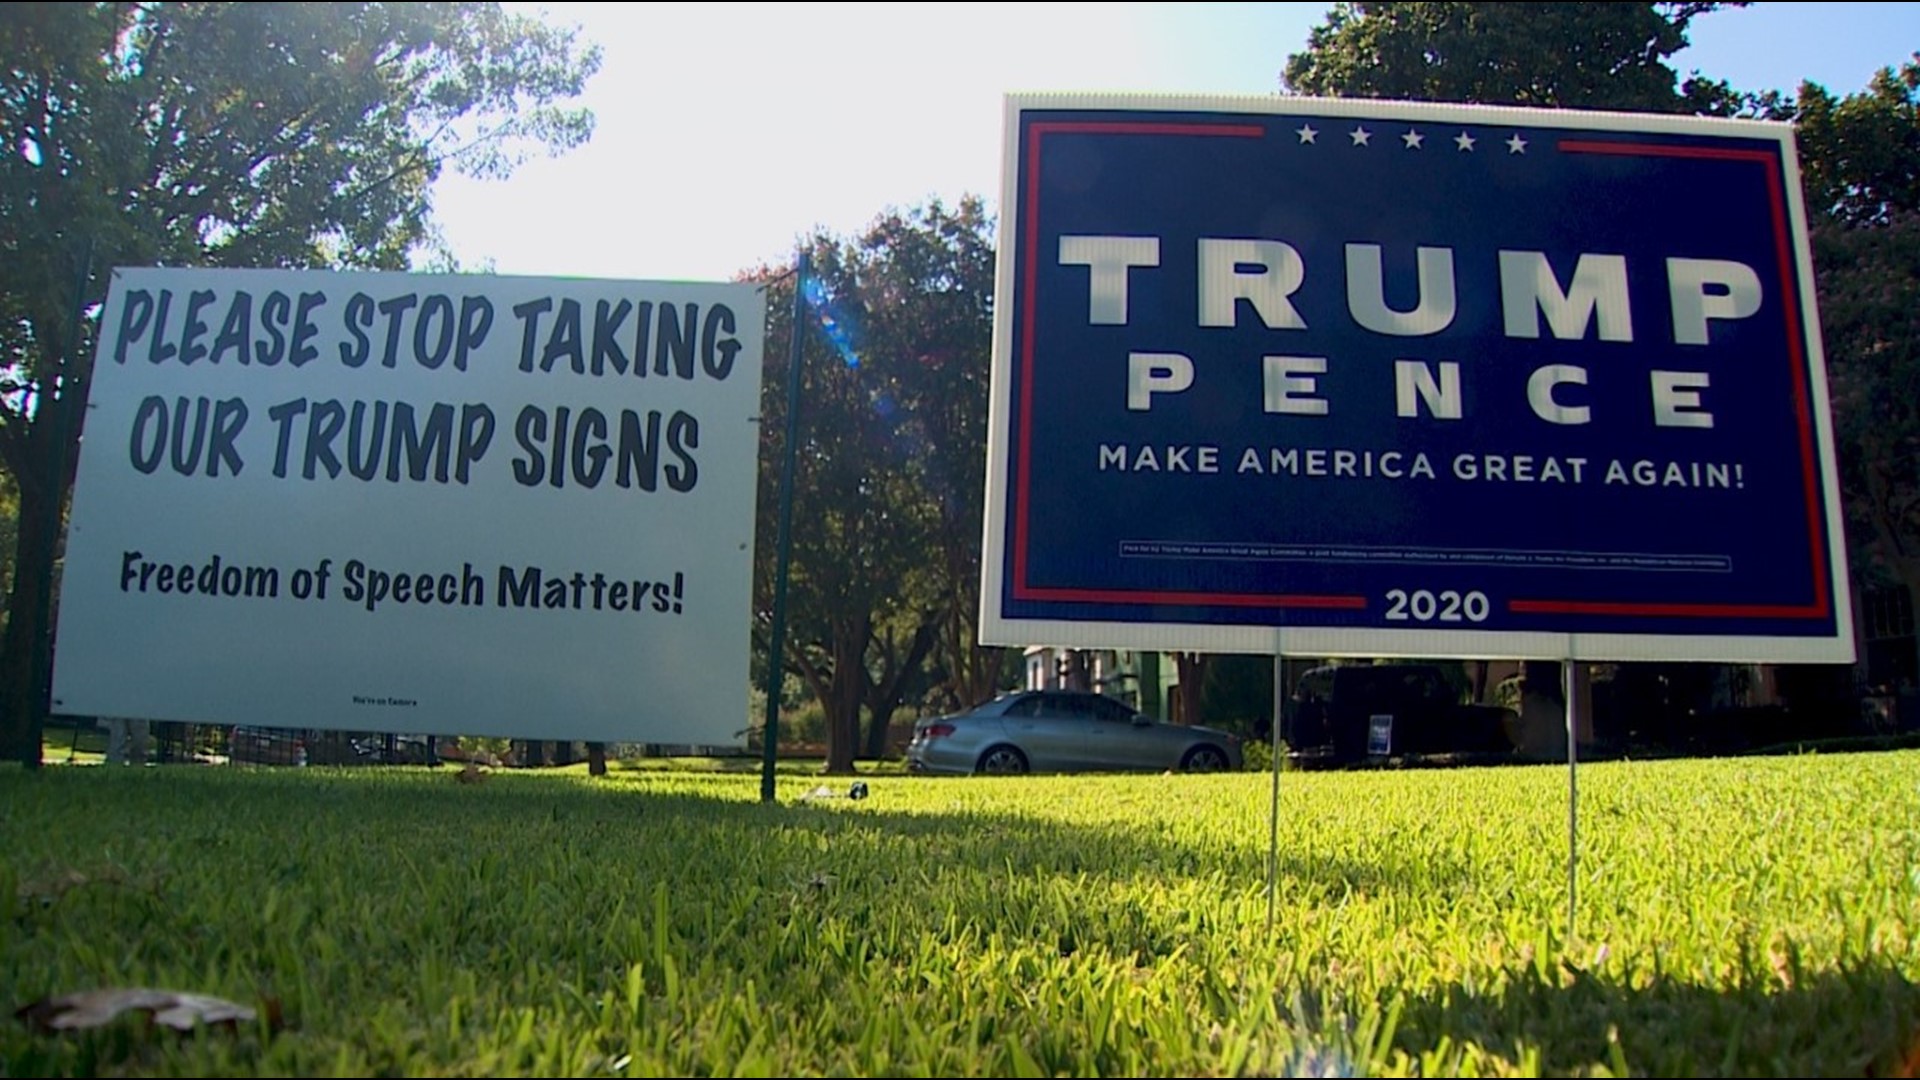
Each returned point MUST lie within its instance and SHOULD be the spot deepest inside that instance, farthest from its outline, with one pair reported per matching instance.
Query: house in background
(1144, 680)
(1889, 650)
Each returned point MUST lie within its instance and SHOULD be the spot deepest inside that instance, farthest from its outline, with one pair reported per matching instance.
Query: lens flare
(838, 327)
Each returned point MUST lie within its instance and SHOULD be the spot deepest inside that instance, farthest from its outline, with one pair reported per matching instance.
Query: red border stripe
(1803, 410)
(1683, 611)
(1796, 345)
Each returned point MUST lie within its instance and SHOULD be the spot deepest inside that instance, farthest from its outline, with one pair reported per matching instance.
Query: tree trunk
(1191, 670)
(878, 720)
(21, 662)
(884, 694)
(843, 729)
(596, 759)
(979, 673)
(1078, 674)
(41, 454)
(973, 670)
(845, 687)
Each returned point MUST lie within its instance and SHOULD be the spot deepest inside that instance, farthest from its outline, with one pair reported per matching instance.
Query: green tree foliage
(938, 303)
(9, 529)
(213, 134)
(1860, 155)
(886, 533)
(1577, 55)
(1861, 163)
(1869, 283)
(1238, 695)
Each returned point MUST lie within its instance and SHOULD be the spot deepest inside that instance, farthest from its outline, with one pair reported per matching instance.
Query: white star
(1413, 139)
(1464, 141)
(1360, 135)
(1516, 145)
(1306, 133)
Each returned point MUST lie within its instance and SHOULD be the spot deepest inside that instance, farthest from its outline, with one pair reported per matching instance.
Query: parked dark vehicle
(1348, 712)
(1064, 731)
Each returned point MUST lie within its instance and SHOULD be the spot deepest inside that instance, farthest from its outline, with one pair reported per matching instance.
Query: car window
(1026, 706)
(1111, 711)
(1068, 706)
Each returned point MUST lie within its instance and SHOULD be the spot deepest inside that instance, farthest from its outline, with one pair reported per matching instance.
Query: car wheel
(1204, 759)
(1003, 761)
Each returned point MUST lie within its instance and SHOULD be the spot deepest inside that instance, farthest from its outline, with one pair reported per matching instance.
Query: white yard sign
(438, 504)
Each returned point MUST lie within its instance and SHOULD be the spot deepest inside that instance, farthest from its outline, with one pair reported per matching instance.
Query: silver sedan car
(1063, 731)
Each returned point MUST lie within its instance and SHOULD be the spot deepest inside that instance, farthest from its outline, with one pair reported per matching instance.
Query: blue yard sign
(1367, 378)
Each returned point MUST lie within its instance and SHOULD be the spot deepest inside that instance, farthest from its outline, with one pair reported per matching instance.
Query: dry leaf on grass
(97, 1008)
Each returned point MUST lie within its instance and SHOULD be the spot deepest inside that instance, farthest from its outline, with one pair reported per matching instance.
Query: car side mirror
(1142, 720)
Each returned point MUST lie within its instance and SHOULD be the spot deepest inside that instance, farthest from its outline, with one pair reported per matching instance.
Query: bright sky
(727, 131)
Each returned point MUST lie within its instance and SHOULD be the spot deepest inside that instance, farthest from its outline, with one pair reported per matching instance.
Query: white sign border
(710, 710)
(999, 629)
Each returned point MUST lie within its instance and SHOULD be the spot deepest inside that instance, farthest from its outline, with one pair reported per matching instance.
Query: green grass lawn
(1751, 916)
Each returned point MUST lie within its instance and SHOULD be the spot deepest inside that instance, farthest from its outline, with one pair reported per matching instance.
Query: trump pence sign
(439, 504)
(1343, 377)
